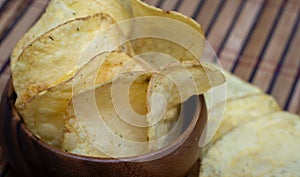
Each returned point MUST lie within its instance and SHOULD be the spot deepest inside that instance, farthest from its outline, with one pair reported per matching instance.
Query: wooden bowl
(30, 156)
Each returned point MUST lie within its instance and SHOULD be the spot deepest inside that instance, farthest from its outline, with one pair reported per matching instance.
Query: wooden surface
(258, 40)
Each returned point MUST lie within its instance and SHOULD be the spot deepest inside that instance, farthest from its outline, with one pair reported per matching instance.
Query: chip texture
(268, 146)
(43, 113)
(241, 110)
(101, 123)
(44, 64)
(61, 11)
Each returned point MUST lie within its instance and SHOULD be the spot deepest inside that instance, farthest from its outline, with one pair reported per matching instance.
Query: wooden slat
(233, 45)
(188, 7)
(295, 102)
(285, 79)
(20, 28)
(3, 79)
(168, 5)
(257, 41)
(222, 24)
(9, 14)
(207, 12)
(273, 53)
(152, 2)
(2, 2)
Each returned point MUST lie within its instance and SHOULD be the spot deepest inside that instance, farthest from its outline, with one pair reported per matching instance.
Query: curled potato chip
(61, 11)
(54, 57)
(173, 85)
(267, 146)
(43, 113)
(162, 33)
(190, 78)
(141, 9)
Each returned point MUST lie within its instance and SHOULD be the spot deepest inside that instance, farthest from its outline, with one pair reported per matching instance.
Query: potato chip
(267, 146)
(101, 122)
(141, 9)
(54, 57)
(43, 113)
(190, 78)
(237, 88)
(241, 110)
(74, 140)
(162, 33)
(61, 11)
(172, 86)
(166, 128)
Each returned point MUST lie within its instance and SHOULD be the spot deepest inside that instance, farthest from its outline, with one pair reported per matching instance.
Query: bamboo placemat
(258, 40)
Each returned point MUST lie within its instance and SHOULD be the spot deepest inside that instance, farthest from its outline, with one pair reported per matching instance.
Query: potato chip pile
(255, 137)
(54, 87)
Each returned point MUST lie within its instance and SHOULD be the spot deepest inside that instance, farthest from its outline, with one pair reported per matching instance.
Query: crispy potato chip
(74, 140)
(172, 86)
(43, 113)
(190, 78)
(241, 110)
(54, 57)
(162, 46)
(237, 88)
(61, 11)
(162, 30)
(268, 146)
(102, 123)
(166, 128)
(141, 9)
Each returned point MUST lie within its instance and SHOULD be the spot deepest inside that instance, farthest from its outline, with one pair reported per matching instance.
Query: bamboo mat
(258, 40)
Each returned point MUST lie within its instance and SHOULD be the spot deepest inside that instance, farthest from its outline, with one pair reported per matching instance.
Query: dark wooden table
(258, 40)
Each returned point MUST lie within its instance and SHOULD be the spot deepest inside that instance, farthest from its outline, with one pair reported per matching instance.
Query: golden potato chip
(103, 123)
(74, 140)
(172, 86)
(162, 33)
(43, 113)
(241, 110)
(165, 128)
(190, 78)
(236, 87)
(61, 11)
(267, 146)
(141, 9)
(216, 100)
(54, 57)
